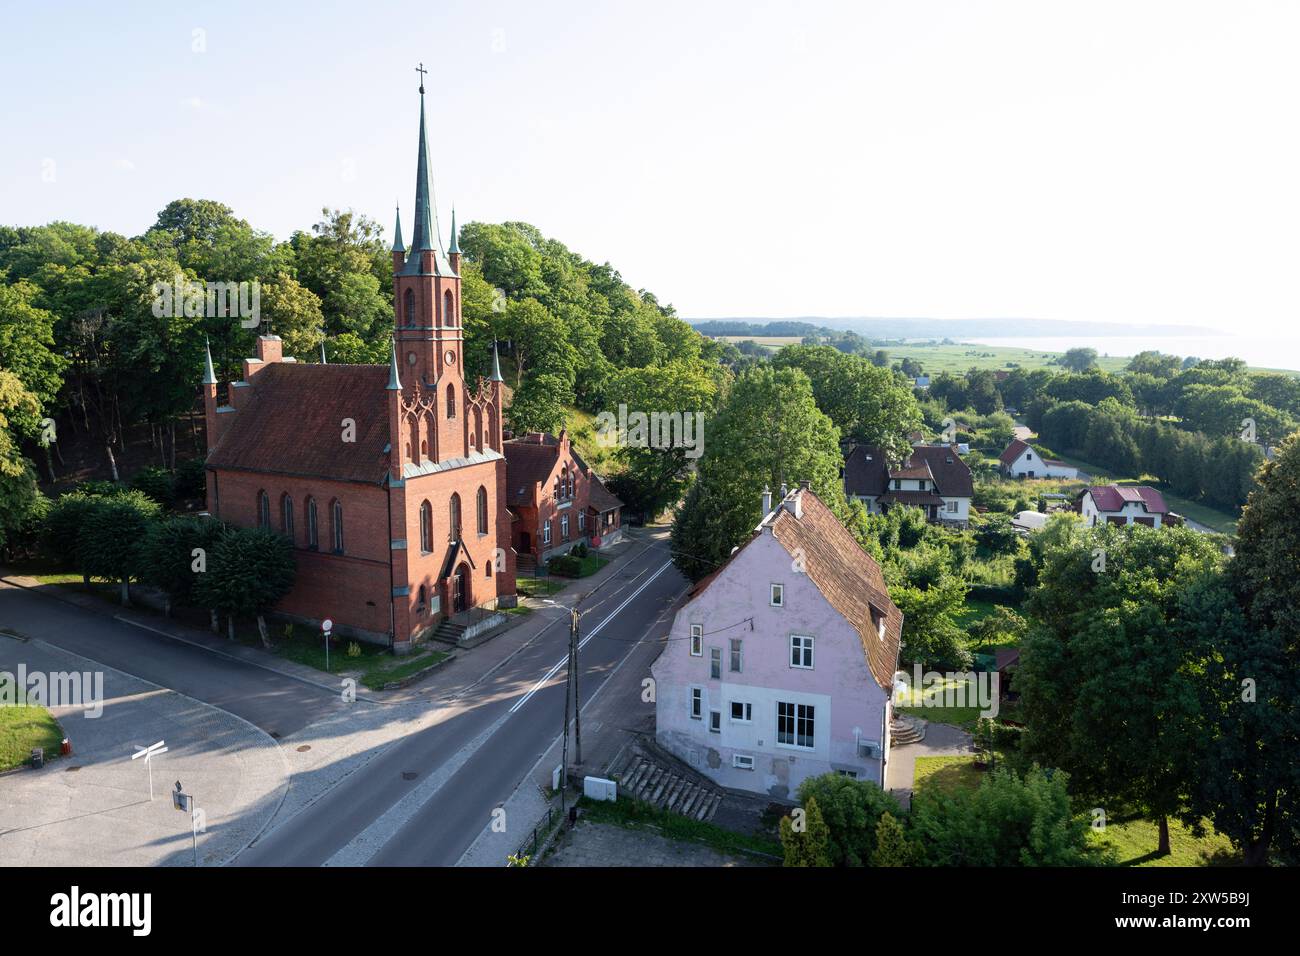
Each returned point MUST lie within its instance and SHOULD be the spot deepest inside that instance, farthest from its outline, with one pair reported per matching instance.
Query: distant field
(957, 358)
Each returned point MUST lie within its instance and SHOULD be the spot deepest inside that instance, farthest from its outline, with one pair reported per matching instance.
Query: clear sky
(1116, 161)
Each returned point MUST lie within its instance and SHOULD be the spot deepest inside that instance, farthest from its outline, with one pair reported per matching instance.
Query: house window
(263, 510)
(878, 619)
(952, 505)
(313, 531)
(778, 595)
(286, 516)
(735, 655)
(426, 528)
(697, 703)
(715, 663)
(546, 532)
(1029, 456)
(742, 712)
(921, 484)
(482, 510)
(564, 528)
(794, 724)
(338, 527)
(742, 761)
(851, 774)
(697, 640)
(454, 509)
(487, 570)
(801, 651)
(451, 401)
(715, 721)
(421, 603)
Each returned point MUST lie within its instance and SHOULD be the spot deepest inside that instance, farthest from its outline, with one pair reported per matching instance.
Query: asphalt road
(516, 713)
(274, 702)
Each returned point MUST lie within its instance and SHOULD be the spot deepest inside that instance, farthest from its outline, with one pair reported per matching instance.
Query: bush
(110, 541)
(63, 522)
(191, 479)
(852, 810)
(156, 483)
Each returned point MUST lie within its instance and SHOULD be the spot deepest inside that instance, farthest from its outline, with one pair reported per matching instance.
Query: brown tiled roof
(847, 576)
(290, 423)
(912, 469)
(601, 498)
(912, 497)
(528, 461)
(1013, 451)
(865, 470)
(952, 476)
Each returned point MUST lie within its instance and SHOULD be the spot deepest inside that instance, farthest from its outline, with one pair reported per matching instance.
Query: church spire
(397, 233)
(209, 375)
(426, 237)
(454, 248)
(394, 383)
(496, 364)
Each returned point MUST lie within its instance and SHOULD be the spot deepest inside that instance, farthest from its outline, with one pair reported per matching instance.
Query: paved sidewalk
(93, 808)
(941, 740)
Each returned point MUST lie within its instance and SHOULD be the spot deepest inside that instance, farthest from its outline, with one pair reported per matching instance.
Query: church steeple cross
(421, 70)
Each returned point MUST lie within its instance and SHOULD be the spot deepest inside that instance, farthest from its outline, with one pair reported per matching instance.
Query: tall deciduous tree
(249, 570)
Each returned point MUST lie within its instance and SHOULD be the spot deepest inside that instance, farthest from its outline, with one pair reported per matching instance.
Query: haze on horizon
(1112, 162)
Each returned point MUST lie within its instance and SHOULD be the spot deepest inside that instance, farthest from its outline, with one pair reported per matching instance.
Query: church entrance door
(460, 590)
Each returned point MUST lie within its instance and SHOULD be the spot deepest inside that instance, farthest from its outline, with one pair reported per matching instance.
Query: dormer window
(879, 620)
(778, 595)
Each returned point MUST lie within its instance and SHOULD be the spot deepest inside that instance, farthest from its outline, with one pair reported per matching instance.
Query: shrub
(852, 810)
(191, 479)
(354, 649)
(156, 483)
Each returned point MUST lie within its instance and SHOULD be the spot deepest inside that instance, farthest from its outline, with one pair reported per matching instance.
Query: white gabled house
(1122, 505)
(1022, 460)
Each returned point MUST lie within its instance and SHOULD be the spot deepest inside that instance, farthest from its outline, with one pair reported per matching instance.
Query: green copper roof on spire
(496, 364)
(209, 376)
(426, 237)
(394, 383)
(454, 248)
(397, 233)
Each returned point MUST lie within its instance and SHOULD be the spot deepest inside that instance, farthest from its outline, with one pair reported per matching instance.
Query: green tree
(1079, 359)
(540, 405)
(19, 495)
(249, 570)
(892, 846)
(168, 560)
(108, 542)
(852, 810)
(806, 843)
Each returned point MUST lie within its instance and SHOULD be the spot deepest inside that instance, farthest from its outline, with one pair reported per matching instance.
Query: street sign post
(326, 626)
(185, 802)
(148, 753)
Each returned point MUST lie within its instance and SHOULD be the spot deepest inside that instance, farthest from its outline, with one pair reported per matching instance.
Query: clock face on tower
(450, 357)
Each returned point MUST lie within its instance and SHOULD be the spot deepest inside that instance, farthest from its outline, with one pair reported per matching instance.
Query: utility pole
(577, 699)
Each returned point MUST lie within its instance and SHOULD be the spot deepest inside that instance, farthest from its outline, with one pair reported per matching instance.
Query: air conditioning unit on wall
(869, 749)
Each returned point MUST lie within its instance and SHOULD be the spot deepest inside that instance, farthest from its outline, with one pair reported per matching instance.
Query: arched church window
(263, 510)
(449, 309)
(482, 510)
(338, 527)
(451, 401)
(455, 517)
(410, 306)
(313, 534)
(286, 516)
(426, 527)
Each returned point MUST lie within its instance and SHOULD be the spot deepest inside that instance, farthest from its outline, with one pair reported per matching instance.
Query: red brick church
(391, 481)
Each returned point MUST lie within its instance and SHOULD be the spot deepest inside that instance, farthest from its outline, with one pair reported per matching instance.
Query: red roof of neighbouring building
(1013, 451)
(1115, 497)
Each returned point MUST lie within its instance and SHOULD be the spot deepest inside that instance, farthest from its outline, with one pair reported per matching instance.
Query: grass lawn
(590, 565)
(22, 728)
(638, 815)
(540, 587)
(1133, 840)
(373, 668)
(946, 774)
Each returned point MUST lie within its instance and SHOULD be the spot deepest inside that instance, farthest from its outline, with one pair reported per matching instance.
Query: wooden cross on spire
(421, 70)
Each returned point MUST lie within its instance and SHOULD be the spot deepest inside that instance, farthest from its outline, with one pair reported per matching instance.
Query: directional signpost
(148, 753)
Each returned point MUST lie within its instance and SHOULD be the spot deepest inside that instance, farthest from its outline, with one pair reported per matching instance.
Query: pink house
(780, 665)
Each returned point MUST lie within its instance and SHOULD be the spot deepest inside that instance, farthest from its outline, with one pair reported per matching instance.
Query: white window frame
(582, 521)
(735, 655)
(776, 595)
(797, 716)
(715, 721)
(747, 709)
(564, 528)
(546, 532)
(697, 640)
(697, 703)
(952, 504)
(742, 761)
(797, 642)
(715, 663)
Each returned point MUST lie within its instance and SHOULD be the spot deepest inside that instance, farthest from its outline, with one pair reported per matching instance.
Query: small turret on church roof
(496, 364)
(454, 248)
(397, 233)
(394, 383)
(209, 375)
